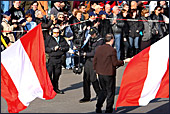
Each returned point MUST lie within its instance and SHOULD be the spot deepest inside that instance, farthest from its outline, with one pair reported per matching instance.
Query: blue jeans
(135, 40)
(117, 43)
(69, 57)
(69, 61)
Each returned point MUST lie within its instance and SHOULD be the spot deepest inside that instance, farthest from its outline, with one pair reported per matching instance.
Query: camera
(78, 43)
(78, 69)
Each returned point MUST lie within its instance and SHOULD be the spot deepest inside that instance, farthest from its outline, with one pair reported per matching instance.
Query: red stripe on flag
(10, 93)
(163, 91)
(132, 87)
(33, 44)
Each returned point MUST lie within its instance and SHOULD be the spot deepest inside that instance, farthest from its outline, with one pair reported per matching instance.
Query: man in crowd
(109, 14)
(56, 46)
(17, 17)
(84, 15)
(34, 7)
(7, 27)
(55, 9)
(44, 25)
(117, 26)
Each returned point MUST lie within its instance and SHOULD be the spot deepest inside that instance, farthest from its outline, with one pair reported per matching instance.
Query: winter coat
(104, 27)
(50, 43)
(7, 27)
(54, 11)
(148, 29)
(125, 31)
(117, 28)
(134, 26)
(77, 29)
(160, 26)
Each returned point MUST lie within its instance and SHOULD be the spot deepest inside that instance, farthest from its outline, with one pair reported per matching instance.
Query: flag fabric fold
(24, 76)
(146, 76)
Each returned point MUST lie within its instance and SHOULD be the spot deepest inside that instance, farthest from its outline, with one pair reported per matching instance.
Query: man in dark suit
(105, 63)
(56, 46)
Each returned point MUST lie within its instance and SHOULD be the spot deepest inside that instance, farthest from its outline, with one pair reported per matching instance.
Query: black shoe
(98, 110)
(59, 91)
(84, 100)
(108, 111)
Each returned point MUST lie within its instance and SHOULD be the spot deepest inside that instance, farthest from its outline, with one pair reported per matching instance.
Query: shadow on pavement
(162, 109)
(125, 109)
(74, 86)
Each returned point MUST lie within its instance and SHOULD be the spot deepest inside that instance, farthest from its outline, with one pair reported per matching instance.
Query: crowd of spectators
(75, 18)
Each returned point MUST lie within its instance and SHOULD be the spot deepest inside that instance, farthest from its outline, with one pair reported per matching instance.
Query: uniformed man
(89, 75)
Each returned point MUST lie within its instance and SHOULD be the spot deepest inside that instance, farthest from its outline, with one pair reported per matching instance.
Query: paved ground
(69, 102)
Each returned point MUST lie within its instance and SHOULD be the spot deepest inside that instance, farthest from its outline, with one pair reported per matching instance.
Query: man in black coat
(104, 26)
(56, 46)
(89, 75)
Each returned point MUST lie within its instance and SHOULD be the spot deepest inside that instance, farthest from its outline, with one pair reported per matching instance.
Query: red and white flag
(146, 76)
(24, 76)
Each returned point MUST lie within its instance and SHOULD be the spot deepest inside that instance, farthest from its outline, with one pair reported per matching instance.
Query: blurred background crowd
(134, 24)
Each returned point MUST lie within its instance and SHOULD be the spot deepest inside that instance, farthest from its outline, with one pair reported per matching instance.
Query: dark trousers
(107, 84)
(88, 78)
(55, 71)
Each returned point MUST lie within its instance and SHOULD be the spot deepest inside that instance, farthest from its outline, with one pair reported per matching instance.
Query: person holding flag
(105, 63)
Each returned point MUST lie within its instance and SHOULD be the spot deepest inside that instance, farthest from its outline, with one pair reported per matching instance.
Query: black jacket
(117, 28)
(125, 31)
(50, 43)
(92, 46)
(159, 25)
(134, 26)
(148, 29)
(77, 29)
(104, 27)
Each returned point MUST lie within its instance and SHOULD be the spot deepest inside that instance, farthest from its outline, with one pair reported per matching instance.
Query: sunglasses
(56, 32)
(60, 17)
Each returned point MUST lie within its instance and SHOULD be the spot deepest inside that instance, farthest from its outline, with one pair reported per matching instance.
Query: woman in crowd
(159, 25)
(134, 28)
(125, 33)
(78, 29)
(148, 30)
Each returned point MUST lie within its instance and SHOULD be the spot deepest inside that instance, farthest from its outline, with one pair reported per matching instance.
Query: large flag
(24, 76)
(146, 76)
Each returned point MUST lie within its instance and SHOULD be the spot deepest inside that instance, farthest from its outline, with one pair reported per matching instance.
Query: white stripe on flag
(26, 81)
(157, 66)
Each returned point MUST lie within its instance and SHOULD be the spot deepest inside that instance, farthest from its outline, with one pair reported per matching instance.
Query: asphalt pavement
(72, 85)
